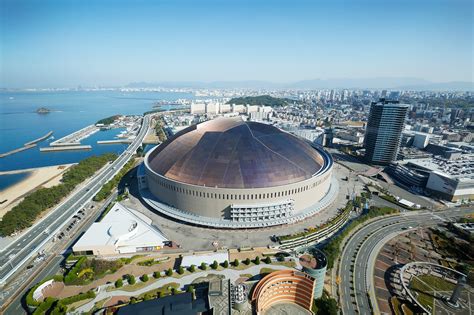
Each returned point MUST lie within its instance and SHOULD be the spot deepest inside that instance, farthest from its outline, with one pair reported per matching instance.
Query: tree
(130, 279)
(119, 283)
(192, 268)
(156, 274)
(257, 260)
(268, 260)
(203, 266)
(147, 297)
(133, 300)
(144, 278)
(236, 262)
(247, 261)
(214, 265)
(180, 270)
(225, 264)
(169, 272)
(326, 305)
(191, 290)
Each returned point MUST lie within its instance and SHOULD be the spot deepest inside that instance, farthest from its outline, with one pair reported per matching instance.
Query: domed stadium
(228, 172)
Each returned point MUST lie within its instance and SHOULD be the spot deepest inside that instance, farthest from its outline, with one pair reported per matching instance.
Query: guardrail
(319, 235)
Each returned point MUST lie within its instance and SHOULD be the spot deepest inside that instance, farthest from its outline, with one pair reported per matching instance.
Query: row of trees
(25, 213)
(106, 190)
(332, 249)
(159, 131)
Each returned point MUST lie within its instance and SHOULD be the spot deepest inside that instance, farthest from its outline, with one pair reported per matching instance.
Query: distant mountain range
(366, 83)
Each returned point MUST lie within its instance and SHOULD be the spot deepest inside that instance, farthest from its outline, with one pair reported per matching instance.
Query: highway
(357, 258)
(17, 254)
(51, 266)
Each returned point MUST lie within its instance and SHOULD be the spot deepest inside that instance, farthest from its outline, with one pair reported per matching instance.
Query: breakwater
(66, 148)
(46, 136)
(74, 139)
(26, 147)
(114, 141)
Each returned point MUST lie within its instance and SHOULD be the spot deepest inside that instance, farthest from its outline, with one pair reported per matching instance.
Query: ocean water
(71, 111)
(10, 179)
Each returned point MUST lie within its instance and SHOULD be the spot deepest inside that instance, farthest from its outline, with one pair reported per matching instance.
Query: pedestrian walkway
(231, 274)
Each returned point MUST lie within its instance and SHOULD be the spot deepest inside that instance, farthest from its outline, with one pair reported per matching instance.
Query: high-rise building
(384, 131)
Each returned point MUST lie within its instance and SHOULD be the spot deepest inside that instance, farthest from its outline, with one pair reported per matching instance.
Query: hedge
(106, 190)
(332, 249)
(29, 296)
(71, 276)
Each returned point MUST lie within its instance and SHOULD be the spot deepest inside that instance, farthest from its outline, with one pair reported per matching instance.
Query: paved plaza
(408, 247)
(200, 238)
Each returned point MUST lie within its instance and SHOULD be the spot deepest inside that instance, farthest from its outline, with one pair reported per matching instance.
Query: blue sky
(69, 43)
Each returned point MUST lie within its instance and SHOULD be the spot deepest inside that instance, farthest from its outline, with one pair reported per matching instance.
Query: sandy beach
(38, 177)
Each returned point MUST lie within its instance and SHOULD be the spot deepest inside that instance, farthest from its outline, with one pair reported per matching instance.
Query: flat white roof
(122, 227)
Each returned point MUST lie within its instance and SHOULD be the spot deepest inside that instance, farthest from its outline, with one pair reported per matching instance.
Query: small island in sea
(43, 110)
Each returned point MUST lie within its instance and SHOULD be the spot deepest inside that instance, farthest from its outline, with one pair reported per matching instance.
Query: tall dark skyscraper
(384, 131)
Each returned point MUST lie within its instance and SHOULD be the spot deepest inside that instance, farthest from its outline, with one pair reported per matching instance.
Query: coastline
(38, 177)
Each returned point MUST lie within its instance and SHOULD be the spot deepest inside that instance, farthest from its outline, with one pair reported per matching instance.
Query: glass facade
(384, 131)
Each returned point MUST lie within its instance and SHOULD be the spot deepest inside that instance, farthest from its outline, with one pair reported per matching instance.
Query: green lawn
(425, 285)
(424, 292)
(165, 290)
(133, 287)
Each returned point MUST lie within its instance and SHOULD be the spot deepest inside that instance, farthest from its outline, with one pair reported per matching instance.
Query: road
(52, 267)
(25, 247)
(355, 262)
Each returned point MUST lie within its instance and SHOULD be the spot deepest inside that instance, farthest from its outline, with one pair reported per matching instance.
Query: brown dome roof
(232, 153)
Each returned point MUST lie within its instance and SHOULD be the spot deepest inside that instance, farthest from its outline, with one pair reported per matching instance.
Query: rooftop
(313, 258)
(233, 153)
(122, 227)
(458, 168)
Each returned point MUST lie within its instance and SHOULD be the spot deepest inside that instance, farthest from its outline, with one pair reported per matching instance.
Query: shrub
(257, 260)
(79, 297)
(203, 266)
(236, 262)
(147, 297)
(180, 270)
(119, 283)
(144, 278)
(268, 260)
(247, 261)
(106, 189)
(192, 268)
(225, 264)
(214, 265)
(169, 272)
(45, 306)
(156, 274)
(130, 279)
(71, 276)
(191, 290)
